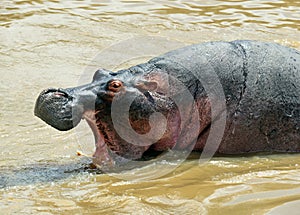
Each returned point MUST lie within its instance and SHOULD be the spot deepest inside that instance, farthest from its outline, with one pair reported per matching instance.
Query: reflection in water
(50, 43)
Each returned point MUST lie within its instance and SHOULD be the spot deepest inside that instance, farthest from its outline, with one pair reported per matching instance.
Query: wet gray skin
(261, 83)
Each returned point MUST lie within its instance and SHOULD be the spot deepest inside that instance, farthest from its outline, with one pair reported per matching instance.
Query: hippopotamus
(260, 84)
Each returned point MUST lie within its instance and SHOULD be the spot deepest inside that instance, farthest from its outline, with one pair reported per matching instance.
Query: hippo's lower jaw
(101, 157)
(110, 148)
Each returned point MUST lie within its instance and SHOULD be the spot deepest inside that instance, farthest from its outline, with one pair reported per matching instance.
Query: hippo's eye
(115, 85)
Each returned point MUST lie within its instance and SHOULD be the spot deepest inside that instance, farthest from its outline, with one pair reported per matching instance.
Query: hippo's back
(261, 83)
(267, 117)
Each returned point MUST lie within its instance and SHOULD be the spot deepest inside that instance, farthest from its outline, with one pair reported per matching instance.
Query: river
(59, 43)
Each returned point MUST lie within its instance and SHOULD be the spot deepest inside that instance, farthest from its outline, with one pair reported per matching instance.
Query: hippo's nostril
(59, 94)
(56, 92)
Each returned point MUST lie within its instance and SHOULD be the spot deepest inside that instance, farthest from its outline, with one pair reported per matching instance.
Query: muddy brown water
(55, 43)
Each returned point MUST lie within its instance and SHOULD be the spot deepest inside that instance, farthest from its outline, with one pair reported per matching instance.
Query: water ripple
(271, 14)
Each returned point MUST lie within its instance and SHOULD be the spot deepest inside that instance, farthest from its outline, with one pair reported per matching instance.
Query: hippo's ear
(102, 73)
(155, 81)
(146, 85)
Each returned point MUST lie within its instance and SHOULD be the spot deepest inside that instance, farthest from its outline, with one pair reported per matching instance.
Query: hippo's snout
(55, 107)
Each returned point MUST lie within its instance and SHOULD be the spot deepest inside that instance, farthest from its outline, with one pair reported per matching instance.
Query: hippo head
(106, 96)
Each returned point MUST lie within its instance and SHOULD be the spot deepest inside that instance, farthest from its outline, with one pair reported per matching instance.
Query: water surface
(52, 43)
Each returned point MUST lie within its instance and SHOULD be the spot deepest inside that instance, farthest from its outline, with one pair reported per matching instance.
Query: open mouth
(110, 151)
(102, 157)
(90, 118)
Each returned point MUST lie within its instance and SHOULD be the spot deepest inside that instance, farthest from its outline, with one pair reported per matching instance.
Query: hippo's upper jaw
(64, 108)
(54, 106)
